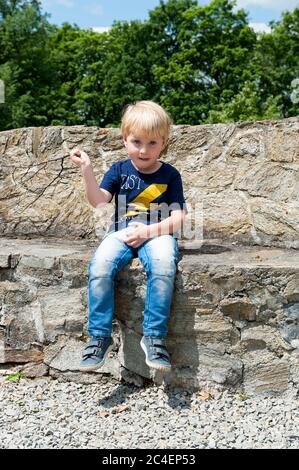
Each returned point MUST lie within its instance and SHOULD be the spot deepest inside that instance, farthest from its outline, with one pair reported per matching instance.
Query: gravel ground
(55, 414)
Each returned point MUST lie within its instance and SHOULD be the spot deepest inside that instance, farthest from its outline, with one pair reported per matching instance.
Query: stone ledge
(234, 320)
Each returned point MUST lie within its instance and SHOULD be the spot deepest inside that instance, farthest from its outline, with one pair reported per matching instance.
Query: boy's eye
(138, 142)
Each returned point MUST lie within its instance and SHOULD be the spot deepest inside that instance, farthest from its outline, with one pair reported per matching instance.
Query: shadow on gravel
(177, 398)
(118, 396)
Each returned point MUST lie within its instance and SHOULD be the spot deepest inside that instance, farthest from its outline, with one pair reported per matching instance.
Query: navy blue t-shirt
(143, 197)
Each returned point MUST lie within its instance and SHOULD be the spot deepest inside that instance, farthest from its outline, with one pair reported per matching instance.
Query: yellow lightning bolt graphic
(142, 202)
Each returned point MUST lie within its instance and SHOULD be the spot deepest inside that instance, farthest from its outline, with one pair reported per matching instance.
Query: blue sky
(100, 14)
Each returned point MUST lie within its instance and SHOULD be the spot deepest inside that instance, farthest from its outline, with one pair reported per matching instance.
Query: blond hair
(148, 118)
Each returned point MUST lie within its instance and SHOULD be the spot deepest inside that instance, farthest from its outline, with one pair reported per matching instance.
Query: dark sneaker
(95, 353)
(156, 355)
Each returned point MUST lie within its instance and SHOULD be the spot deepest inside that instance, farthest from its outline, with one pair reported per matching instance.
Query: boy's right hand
(80, 158)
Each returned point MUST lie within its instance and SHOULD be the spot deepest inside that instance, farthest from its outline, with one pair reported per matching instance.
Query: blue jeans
(158, 256)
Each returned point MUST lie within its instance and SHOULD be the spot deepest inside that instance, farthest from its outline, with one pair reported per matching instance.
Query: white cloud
(260, 27)
(101, 29)
(95, 9)
(64, 3)
(274, 4)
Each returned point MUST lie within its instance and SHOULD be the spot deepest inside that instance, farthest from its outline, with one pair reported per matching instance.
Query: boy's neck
(156, 168)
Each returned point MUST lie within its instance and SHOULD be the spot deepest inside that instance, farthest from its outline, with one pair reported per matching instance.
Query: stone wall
(242, 177)
(235, 313)
(234, 320)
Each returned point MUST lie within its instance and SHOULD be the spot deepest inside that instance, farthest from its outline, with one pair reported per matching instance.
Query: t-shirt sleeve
(175, 193)
(110, 180)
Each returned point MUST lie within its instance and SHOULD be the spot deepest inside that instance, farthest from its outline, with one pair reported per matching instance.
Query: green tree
(246, 106)
(24, 63)
(130, 53)
(73, 52)
(203, 63)
(126, 70)
(97, 74)
(208, 61)
(276, 62)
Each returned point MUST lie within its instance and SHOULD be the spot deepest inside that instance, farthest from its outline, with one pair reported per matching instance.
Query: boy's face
(144, 151)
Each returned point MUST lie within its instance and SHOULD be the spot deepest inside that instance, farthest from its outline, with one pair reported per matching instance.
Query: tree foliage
(203, 63)
(24, 63)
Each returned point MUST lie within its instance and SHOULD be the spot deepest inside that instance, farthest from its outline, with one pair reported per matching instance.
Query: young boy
(143, 185)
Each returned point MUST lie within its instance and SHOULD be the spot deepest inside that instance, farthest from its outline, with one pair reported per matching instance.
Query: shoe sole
(151, 364)
(96, 366)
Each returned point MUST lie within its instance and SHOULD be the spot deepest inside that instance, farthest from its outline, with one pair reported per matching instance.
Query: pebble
(52, 413)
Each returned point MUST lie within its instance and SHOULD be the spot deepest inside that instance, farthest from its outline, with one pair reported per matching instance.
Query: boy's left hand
(138, 235)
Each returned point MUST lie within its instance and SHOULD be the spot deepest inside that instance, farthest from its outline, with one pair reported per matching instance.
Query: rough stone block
(264, 373)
